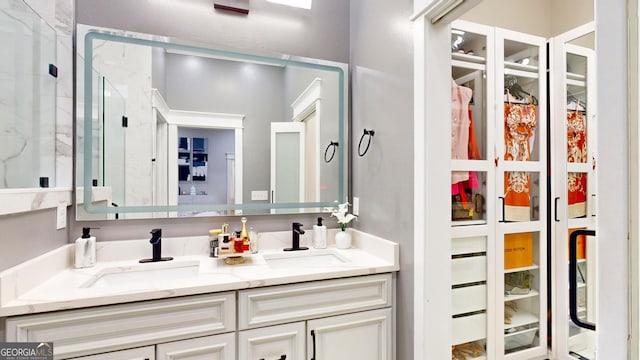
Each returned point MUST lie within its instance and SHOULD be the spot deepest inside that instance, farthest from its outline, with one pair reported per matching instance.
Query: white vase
(343, 240)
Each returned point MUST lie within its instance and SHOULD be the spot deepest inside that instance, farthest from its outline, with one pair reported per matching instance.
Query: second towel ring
(366, 132)
(333, 144)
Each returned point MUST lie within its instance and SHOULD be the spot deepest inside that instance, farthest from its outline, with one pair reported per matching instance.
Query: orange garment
(460, 98)
(576, 153)
(473, 148)
(519, 130)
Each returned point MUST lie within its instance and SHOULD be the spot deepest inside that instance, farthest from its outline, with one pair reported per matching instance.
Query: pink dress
(460, 121)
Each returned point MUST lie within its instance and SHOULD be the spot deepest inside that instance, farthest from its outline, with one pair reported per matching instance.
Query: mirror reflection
(27, 98)
(183, 130)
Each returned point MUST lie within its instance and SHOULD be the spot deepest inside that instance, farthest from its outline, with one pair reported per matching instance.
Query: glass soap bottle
(253, 240)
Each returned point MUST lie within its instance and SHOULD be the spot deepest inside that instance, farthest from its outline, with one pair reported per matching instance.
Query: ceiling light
(305, 4)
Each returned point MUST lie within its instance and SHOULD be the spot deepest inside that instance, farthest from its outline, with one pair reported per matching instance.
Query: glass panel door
(113, 142)
(521, 164)
(472, 192)
(580, 179)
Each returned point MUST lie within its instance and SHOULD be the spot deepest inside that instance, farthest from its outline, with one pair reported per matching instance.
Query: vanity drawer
(288, 303)
(114, 327)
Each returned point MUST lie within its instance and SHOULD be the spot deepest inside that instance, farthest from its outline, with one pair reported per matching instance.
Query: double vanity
(317, 303)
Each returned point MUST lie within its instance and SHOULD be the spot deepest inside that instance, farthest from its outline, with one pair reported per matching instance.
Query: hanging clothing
(576, 153)
(520, 121)
(460, 122)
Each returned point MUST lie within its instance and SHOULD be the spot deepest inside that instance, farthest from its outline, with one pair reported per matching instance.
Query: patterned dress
(520, 122)
(576, 153)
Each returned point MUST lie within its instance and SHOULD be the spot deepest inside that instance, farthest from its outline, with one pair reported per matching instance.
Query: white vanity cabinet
(348, 318)
(278, 342)
(360, 336)
(98, 330)
(215, 347)
(363, 335)
(338, 319)
(143, 353)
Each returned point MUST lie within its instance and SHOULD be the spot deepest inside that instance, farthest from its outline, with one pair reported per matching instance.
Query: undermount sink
(305, 258)
(144, 275)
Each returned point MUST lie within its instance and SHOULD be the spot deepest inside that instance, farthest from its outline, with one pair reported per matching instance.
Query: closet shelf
(526, 268)
(532, 293)
(468, 58)
(576, 76)
(521, 318)
(468, 222)
(510, 65)
(579, 83)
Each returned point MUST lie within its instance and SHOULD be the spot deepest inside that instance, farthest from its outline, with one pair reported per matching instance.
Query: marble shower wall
(127, 68)
(27, 98)
(59, 15)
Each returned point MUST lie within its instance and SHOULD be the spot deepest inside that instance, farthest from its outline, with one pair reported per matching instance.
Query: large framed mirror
(169, 128)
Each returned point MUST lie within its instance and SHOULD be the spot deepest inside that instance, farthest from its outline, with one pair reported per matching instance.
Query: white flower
(342, 216)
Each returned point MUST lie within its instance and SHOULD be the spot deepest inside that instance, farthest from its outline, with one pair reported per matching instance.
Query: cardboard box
(518, 250)
(581, 250)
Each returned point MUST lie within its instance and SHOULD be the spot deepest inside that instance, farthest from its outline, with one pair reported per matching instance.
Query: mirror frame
(175, 44)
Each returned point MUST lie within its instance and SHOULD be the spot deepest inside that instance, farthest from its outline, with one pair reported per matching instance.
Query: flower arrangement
(341, 214)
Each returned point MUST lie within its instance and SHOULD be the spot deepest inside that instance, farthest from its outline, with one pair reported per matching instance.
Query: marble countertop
(50, 283)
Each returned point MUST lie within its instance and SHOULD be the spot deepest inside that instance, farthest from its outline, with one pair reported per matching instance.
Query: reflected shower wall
(27, 98)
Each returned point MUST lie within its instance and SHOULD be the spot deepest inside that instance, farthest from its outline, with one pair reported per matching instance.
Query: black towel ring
(366, 132)
(333, 144)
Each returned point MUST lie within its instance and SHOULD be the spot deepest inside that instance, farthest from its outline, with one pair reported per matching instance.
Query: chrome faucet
(156, 243)
(295, 241)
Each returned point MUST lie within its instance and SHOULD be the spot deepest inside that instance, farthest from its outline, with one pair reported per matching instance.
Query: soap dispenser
(319, 235)
(85, 249)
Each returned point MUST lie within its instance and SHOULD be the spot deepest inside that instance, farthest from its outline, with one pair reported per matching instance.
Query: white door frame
(307, 103)
(201, 120)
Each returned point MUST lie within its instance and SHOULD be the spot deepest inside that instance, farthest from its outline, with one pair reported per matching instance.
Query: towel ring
(333, 144)
(366, 132)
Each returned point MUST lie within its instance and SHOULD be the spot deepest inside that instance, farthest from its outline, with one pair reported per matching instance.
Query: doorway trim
(201, 120)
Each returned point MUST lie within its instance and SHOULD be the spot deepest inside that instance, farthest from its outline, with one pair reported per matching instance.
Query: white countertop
(49, 282)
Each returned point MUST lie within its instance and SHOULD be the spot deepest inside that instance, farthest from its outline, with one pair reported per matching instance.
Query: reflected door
(287, 163)
(574, 190)
(113, 142)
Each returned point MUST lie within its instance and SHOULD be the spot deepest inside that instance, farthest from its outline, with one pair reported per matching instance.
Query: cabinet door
(359, 336)
(216, 347)
(273, 343)
(143, 353)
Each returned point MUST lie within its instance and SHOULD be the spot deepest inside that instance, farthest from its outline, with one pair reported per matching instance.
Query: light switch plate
(356, 206)
(262, 195)
(61, 216)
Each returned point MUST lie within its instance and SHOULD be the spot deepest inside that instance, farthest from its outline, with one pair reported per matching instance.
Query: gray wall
(230, 87)
(321, 32)
(27, 235)
(382, 100)
(158, 64)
